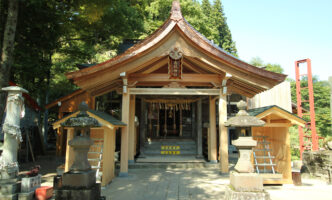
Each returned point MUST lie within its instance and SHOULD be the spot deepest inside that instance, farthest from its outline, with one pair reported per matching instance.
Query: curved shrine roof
(242, 72)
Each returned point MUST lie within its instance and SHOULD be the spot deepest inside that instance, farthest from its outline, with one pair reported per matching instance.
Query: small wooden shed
(101, 153)
(275, 134)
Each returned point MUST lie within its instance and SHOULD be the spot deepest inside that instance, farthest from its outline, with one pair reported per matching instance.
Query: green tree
(258, 62)
(7, 45)
(322, 104)
(274, 68)
(206, 8)
(224, 39)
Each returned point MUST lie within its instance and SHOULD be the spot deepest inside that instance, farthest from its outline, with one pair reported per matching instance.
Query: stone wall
(318, 163)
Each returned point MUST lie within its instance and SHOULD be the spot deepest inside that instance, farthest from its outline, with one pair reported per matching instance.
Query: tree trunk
(7, 51)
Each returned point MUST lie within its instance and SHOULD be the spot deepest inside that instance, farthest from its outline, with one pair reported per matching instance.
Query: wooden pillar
(287, 174)
(223, 136)
(212, 136)
(124, 135)
(142, 128)
(59, 138)
(131, 153)
(108, 156)
(193, 120)
(69, 150)
(199, 129)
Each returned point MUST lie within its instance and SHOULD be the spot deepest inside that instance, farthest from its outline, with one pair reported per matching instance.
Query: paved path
(159, 184)
(200, 184)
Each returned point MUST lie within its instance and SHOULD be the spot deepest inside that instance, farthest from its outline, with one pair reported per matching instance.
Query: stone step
(197, 165)
(180, 152)
(175, 142)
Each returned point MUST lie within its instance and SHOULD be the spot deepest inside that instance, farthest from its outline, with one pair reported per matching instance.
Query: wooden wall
(68, 106)
(71, 105)
(280, 144)
(279, 95)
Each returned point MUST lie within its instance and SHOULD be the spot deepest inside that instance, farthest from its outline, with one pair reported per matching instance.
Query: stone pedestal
(246, 182)
(78, 180)
(9, 189)
(81, 185)
(246, 186)
(244, 145)
(231, 194)
(92, 193)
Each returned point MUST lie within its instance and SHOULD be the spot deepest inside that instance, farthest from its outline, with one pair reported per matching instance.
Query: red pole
(299, 107)
(312, 108)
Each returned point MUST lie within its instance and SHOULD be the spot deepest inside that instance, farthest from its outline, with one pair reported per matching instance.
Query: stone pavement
(200, 184)
(171, 184)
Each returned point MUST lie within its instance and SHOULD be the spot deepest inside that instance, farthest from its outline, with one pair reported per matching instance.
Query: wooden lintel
(155, 66)
(190, 84)
(172, 91)
(198, 78)
(278, 125)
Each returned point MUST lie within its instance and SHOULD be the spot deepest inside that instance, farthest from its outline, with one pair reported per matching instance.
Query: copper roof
(177, 22)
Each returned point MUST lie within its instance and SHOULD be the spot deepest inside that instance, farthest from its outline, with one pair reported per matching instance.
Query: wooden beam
(69, 150)
(190, 84)
(223, 133)
(276, 111)
(193, 67)
(108, 156)
(198, 78)
(278, 125)
(131, 153)
(198, 62)
(124, 135)
(212, 139)
(172, 91)
(155, 66)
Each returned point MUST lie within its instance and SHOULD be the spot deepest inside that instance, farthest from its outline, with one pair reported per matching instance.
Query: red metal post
(299, 107)
(312, 108)
(312, 124)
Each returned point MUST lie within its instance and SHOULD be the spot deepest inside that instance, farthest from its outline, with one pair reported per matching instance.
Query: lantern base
(246, 182)
(80, 179)
(77, 185)
(231, 194)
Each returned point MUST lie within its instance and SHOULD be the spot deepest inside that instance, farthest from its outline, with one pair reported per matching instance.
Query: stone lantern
(12, 137)
(245, 184)
(243, 123)
(80, 181)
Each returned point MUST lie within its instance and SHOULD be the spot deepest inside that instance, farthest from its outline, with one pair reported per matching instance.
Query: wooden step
(264, 164)
(265, 156)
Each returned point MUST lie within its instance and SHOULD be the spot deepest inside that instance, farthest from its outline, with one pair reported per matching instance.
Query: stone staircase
(170, 148)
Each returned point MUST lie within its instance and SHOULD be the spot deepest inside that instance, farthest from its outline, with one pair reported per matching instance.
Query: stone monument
(9, 187)
(80, 182)
(244, 183)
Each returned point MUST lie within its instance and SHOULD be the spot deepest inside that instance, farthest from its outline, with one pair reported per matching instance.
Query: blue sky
(283, 31)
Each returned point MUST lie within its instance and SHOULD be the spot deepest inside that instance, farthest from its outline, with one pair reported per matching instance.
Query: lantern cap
(243, 119)
(82, 119)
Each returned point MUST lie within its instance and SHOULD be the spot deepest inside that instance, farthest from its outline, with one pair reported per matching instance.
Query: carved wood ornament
(175, 64)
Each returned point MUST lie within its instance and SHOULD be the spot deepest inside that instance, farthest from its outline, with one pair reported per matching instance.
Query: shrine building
(173, 91)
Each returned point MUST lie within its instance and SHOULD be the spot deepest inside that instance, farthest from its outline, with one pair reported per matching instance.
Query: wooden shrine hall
(169, 88)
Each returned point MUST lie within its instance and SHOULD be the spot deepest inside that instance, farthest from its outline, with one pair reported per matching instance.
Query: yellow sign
(164, 147)
(170, 152)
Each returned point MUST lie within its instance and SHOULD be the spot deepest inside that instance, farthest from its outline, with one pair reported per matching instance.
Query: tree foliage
(53, 36)
(321, 96)
(322, 104)
(258, 62)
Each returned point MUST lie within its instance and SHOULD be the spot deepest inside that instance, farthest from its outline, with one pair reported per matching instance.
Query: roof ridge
(176, 14)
